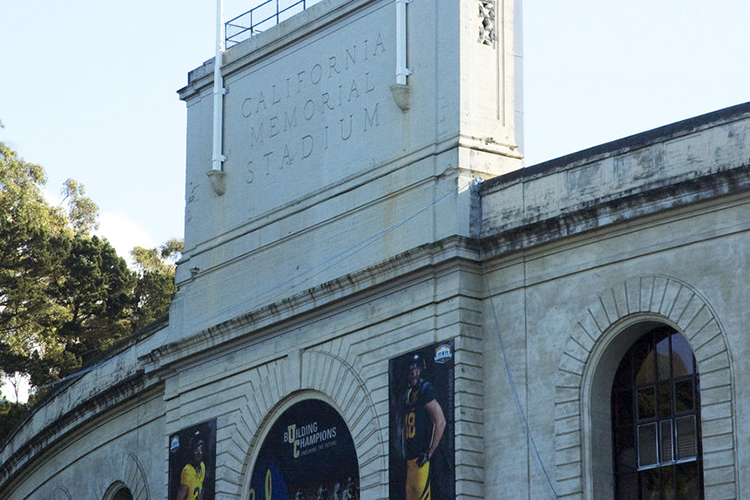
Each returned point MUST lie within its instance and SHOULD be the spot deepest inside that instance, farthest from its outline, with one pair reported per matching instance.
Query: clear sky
(599, 70)
(88, 87)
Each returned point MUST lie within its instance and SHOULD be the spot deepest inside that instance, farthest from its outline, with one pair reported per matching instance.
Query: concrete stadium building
(581, 323)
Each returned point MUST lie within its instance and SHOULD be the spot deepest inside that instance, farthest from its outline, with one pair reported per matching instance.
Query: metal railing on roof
(260, 18)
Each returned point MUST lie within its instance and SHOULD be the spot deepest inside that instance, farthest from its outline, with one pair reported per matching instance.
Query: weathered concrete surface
(652, 228)
(320, 157)
(305, 278)
(342, 240)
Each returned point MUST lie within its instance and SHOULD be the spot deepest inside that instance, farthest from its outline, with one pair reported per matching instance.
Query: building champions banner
(309, 454)
(421, 424)
(192, 463)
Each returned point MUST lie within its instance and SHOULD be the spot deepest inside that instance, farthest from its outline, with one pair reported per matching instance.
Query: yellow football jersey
(194, 480)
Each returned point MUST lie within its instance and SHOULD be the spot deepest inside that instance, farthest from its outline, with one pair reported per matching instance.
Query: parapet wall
(698, 159)
(324, 150)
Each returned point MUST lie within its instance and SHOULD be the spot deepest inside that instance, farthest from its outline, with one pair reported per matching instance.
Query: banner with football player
(421, 424)
(308, 454)
(192, 463)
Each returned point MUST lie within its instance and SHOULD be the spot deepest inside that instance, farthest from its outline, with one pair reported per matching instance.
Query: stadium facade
(580, 324)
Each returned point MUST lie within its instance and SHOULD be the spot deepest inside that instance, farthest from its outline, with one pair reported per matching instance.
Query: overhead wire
(353, 249)
(293, 282)
(308, 274)
(523, 420)
(315, 270)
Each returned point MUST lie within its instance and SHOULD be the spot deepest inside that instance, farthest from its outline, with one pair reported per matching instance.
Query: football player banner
(192, 463)
(421, 424)
(308, 454)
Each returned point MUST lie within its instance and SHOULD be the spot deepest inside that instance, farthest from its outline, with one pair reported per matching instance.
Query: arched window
(656, 420)
(118, 491)
(123, 494)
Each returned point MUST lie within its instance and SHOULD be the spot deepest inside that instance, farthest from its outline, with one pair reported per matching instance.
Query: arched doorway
(308, 453)
(655, 415)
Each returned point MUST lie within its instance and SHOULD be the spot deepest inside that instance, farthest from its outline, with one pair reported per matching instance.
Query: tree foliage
(10, 415)
(155, 268)
(65, 294)
(95, 292)
(29, 231)
(82, 211)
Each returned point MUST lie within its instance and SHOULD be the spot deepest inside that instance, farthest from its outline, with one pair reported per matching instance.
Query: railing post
(242, 27)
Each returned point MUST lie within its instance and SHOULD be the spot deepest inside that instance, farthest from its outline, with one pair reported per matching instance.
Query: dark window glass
(647, 445)
(663, 365)
(683, 396)
(667, 483)
(626, 458)
(688, 480)
(656, 420)
(623, 379)
(627, 486)
(687, 445)
(683, 362)
(646, 373)
(666, 449)
(623, 406)
(664, 394)
(646, 403)
(650, 481)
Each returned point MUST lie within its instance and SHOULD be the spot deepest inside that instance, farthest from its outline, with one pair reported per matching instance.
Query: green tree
(94, 288)
(10, 415)
(29, 227)
(83, 213)
(65, 295)
(155, 268)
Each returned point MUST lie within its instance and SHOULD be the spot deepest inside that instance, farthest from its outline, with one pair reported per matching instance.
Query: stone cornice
(20, 455)
(608, 212)
(398, 271)
(263, 45)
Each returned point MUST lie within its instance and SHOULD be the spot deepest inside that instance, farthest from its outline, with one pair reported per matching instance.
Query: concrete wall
(573, 265)
(306, 277)
(320, 157)
(338, 244)
(103, 427)
(339, 354)
(122, 445)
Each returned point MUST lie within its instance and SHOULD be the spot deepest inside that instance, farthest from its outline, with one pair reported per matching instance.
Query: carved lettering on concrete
(327, 102)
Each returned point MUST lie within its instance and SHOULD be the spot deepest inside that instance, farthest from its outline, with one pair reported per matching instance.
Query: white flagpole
(218, 158)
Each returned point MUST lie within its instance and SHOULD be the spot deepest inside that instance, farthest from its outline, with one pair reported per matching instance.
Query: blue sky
(88, 88)
(599, 70)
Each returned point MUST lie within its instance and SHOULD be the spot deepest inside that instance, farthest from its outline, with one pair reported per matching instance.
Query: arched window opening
(656, 420)
(308, 453)
(118, 491)
(123, 494)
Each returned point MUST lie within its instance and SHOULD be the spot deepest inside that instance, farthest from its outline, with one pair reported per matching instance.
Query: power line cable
(323, 266)
(307, 274)
(537, 459)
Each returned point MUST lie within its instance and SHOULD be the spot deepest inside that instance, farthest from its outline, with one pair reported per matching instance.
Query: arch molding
(649, 298)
